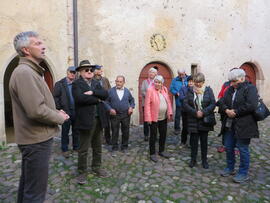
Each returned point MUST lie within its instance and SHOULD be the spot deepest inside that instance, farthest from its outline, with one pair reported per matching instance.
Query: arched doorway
(7, 99)
(163, 70)
(250, 70)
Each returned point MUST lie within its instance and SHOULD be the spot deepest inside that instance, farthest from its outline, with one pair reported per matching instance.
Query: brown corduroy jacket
(35, 116)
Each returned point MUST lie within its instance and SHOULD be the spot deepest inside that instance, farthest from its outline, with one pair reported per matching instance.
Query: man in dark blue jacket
(63, 98)
(120, 104)
(177, 83)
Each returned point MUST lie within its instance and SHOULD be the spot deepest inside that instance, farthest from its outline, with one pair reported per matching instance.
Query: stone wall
(216, 35)
(51, 19)
(125, 35)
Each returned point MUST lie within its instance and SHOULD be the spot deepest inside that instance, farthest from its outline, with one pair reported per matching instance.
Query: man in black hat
(90, 114)
(63, 98)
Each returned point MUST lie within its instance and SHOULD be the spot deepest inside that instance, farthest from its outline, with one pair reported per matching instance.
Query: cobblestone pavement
(133, 178)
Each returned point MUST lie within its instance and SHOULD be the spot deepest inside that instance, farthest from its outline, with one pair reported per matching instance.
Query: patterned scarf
(198, 96)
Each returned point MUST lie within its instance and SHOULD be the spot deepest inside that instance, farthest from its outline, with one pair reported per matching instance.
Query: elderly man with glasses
(90, 114)
(63, 98)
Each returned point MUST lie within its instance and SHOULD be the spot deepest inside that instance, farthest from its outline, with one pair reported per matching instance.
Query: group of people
(195, 104)
(88, 105)
(95, 106)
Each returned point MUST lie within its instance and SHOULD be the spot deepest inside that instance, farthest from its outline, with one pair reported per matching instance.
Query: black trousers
(107, 134)
(194, 140)
(146, 126)
(34, 172)
(161, 127)
(90, 138)
(184, 128)
(117, 121)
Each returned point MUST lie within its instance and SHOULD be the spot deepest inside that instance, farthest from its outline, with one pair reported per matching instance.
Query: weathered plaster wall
(50, 19)
(215, 34)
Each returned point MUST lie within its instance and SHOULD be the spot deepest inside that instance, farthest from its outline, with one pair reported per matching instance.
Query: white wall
(215, 34)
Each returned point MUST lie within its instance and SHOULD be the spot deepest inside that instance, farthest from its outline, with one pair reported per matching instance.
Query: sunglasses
(89, 69)
(73, 72)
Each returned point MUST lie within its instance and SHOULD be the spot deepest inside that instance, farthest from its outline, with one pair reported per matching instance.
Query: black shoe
(176, 132)
(82, 179)
(192, 163)
(164, 154)
(124, 149)
(153, 158)
(205, 165)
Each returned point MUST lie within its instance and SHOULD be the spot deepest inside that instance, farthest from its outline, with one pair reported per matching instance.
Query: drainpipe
(75, 32)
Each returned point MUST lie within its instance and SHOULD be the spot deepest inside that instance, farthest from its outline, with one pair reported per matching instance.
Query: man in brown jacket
(35, 117)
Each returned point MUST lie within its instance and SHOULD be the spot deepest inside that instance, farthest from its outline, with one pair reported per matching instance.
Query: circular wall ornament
(158, 42)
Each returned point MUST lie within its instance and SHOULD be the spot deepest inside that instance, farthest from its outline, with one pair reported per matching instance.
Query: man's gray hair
(159, 78)
(121, 76)
(152, 70)
(22, 40)
(236, 74)
(182, 70)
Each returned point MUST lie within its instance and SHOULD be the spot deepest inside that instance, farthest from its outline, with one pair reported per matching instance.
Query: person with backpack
(238, 104)
(221, 94)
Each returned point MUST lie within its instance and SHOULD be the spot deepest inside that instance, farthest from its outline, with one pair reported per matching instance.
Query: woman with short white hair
(158, 111)
(145, 85)
(238, 105)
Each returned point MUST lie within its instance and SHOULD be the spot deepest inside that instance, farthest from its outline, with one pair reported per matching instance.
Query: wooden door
(162, 70)
(250, 72)
(48, 79)
(47, 75)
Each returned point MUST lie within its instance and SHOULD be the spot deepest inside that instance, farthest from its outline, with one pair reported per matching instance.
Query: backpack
(262, 111)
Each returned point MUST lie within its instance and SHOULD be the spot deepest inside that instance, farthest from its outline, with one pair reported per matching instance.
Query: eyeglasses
(72, 72)
(89, 69)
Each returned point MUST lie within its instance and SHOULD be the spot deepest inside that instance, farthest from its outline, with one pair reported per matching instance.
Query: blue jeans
(177, 118)
(243, 145)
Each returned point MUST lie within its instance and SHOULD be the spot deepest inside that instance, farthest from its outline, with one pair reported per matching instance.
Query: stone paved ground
(135, 179)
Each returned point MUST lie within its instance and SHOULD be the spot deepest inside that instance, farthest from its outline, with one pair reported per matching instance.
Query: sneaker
(75, 151)
(100, 172)
(113, 154)
(227, 172)
(164, 154)
(125, 151)
(66, 154)
(82, 179)
(176, 132)
(192, 163)
(153, 158)
(221, 149)
(240, 178)
(182, 145)
(205, 165)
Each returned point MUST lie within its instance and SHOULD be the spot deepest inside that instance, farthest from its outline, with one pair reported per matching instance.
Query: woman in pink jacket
(158, 110)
